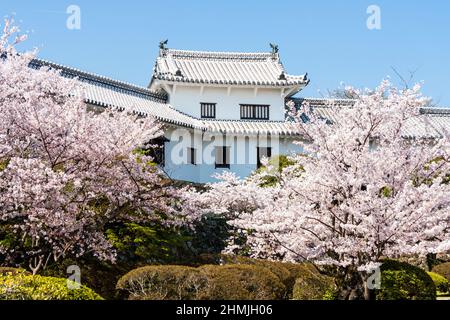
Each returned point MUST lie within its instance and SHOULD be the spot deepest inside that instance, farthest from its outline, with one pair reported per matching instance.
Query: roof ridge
(435, 110)
(324, 99)
(242, 120)
(219, 55)
(98, 78)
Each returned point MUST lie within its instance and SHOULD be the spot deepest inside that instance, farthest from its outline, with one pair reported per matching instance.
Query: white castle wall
(188, 98)
(243, 153)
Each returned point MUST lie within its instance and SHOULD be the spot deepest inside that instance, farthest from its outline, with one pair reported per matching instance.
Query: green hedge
(162, 283)
(4, 271)
(288, 273)
(443, 269)
(210, 282)
(226, 277)
(314, 287)
(97, 275)
(402, 281)
(242, 282)
(21, 286)
(441, 283)
(283, 273)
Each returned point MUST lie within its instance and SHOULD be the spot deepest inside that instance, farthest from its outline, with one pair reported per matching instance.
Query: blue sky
(327, 39)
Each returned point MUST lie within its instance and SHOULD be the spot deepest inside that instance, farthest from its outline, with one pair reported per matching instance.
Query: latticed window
(208, 110)
(254, 112)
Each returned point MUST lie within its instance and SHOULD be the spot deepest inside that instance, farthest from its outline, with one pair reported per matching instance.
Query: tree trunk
(367, 291)
(354, 286)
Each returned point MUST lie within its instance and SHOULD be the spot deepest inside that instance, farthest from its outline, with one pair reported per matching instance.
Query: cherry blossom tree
(66, 172)
(361, 192)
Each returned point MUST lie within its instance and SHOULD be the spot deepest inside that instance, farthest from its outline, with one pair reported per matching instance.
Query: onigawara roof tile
(224, 68)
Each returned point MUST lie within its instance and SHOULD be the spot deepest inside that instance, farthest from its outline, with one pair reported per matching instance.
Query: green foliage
(402, 281)
(4, 164)
(443, 269)
(163, 283)
(429, 180)
(317, 287)
(143, 244)
(287, 273)
(441, 283)
(100, 276)
(4, 271)
(446, 179)
(7, 239)
(277, 164)
(386, 192)
(242, 282)
(27, 287)
(147, 244)
(433, 260)
(331, 294)
(229, 282)
(210, 235)
(15, 244)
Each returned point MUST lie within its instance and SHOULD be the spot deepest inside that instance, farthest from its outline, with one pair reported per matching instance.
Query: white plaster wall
(188, 98)
(243, 153)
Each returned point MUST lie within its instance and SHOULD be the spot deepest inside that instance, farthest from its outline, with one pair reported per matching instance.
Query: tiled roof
(224, 68)
(106, 92)
(431, 123)
(323, 102)
(252, 127)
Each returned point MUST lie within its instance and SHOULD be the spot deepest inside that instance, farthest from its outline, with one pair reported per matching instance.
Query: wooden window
(255, 112)
(208, 110)
(192, 157)
(263, 152)
(223, 157)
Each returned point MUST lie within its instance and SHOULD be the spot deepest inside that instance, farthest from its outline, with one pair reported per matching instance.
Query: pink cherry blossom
(67, 172)
(362, 192)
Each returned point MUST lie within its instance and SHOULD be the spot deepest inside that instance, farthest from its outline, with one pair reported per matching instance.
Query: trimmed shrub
(314, 286)
(27, 287)
(288, 273)
(301, 271)
(242, 282)
(162, 283)
(292, 273)
(441, 283)
(402, 281)
(4, 271)
(443, 269)
(98, 275)
(277, 268)
(210, 282)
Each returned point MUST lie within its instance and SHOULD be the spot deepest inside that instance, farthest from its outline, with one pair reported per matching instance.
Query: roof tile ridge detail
(219, 55)
(435, 111)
